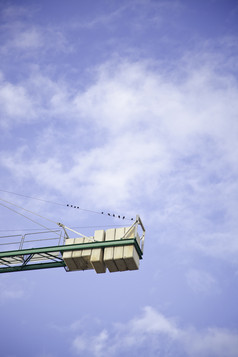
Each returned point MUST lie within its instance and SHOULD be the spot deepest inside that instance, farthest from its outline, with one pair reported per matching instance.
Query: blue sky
(127, 107)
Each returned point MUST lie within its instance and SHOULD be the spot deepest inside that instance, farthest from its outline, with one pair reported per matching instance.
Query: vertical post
(22, 241)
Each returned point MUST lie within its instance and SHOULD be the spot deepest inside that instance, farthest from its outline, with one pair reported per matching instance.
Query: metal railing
(31, 239)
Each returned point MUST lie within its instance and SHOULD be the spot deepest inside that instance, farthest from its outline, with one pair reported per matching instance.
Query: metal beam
(32, 267)
(54, 249)
(70, 247)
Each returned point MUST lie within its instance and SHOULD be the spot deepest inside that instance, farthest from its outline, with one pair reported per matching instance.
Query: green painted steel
(33, 267)
(70, 247)
(26, 253)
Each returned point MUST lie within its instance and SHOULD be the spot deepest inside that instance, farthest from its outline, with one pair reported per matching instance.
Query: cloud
(141, 140)
(154, 334)
(28, 39)
(202, 282)
(97, 343)
(14, 12)
(24, 39)
(26, 103)
(11, 291)
(16, 104)
(211, 342)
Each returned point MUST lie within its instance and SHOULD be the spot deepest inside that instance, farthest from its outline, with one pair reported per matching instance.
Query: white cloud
(147, 335)
(202, 282)
(15, 12)
(11, 291)
(152, 322)
(96, 344)
(26, 103)
(137, 138)
(15, 103)
(211, 342)
(29, 39)
(79, 343)
(24, 38)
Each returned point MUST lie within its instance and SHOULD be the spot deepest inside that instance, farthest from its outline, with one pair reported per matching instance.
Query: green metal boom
(26, 259)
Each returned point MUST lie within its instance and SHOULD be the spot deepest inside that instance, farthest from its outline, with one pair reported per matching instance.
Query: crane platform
(114, 249)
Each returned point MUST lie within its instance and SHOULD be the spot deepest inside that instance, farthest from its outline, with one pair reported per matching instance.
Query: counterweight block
(114, 255)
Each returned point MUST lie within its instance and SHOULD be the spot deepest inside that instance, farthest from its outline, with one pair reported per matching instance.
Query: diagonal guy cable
(25, 215)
